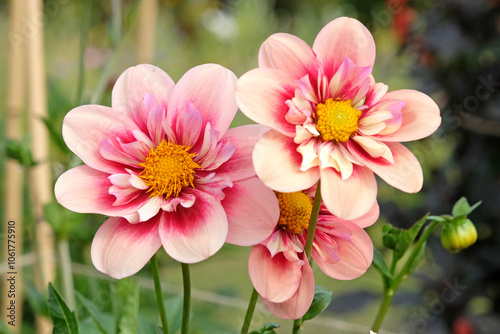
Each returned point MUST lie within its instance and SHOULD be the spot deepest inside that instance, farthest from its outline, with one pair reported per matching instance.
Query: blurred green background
(446, 48)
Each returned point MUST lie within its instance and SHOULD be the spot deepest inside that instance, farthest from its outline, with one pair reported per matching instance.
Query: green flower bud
(460, 233)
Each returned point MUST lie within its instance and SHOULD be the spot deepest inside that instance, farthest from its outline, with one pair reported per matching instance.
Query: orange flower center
(168, 169)
(336, 120)
(295, 211)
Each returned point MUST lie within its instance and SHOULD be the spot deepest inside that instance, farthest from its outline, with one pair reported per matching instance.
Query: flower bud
(460, 233)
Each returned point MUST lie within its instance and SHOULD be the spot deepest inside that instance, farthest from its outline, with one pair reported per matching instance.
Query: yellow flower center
(336, 120)
(295, 211)
(168, 168)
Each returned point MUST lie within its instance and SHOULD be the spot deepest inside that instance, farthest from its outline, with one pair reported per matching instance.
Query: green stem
(297, 323)
(403, 273)
(297, 326)
(312, 222)
(250, 310)
(186, 279)
(159, 296)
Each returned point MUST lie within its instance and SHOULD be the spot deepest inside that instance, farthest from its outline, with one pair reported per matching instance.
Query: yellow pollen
(168, 169)
(295, 211)
(336, 120)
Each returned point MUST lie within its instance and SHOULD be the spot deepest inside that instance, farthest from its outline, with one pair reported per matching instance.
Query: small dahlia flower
(331, 120)
(279, 269)
(163, 165)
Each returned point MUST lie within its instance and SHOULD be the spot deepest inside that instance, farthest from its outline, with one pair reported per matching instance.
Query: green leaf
(406, 238)
(93, 312)
(36, 300)
(416, 261)
(55, 135)
(20, 151)
(380, 265)
(438, 219)
(126, 305)
(322, 298)
(462, 207)
(173, 308)
(268, 328)
(390, 235)
(64, 320)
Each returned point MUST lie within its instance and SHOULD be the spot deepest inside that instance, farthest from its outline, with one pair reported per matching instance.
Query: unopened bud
(460, 233)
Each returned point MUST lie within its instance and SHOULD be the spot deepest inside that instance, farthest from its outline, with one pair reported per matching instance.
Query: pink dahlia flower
(331, 120)
(279, 269)
(163, 165)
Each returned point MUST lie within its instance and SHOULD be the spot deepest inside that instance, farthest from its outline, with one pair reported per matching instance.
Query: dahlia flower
(278, 267)
(331, 120)
(163, 165)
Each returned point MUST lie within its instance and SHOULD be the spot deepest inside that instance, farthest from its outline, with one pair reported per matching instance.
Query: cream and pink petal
(405, 173)
(210, 89)
(121, 249)
(85, 127)
(351, 198)
(262, 94)
(252, 211)
(420, 116)
(86, 190)
(194, 234)
(299, 303)
(341, 38)
(275, 278)
(132, 86)
(244, 138)
(355, 254)
(290, 54)
(277, 163)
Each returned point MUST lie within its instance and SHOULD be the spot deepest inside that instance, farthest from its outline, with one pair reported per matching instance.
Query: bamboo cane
(14, 175)
(40, 175)
(147, 31)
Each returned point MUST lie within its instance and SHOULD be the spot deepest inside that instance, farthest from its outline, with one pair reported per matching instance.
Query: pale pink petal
(132, 86)
(288, 53)
(375, 93)
(355, 254)
(121, 249)
(262, 94)
(85, 190)
(277, 164)
(369, 218)
(405, 173)
(150, 208)
(275, 278)
(299, 303)
(210, 88)
(130, 154)
(252, 211)
(341, 38)
(350, 198)
(374, 148)
(189, 126)
(244, 138)
(420, 116)
(85, 127)
(194, 234)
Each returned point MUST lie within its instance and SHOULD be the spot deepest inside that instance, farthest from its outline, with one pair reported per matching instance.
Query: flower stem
(250, 310)
(297, 326)
(187, 298)
(312, 222)
(297, 323)
(159, 296)
(403, 273)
